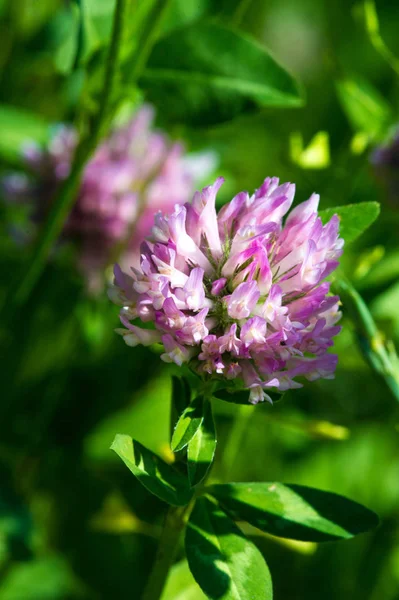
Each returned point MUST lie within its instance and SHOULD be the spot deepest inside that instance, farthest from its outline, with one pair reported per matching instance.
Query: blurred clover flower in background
(134, 173)
(385, 161)
(238, 295)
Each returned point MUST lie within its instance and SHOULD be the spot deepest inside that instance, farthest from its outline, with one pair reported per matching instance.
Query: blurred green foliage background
(74, 523)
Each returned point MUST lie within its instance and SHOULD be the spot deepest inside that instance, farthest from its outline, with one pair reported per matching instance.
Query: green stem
(111, 69)
(175, 522)
(67, 194)
(373, 29)
(380, 355)
(56, 218)
(62, 205)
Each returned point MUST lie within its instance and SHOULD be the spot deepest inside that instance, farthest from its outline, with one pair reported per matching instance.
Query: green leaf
(223, 562)
(180, 398)
(185, 79)
(188, 424)
(158, 477)
(97, 19)
(294, 511)
(365, 107)
(315, 156)
(201, 449)
(18, 127)
(180, 584)
(64, 37)
(354, 218)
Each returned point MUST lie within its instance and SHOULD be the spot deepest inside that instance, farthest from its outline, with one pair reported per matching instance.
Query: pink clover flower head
(239, 295)
(134, 173)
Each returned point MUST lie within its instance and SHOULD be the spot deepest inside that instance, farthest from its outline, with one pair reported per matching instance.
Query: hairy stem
(67, 194)
(380, 354)
(62, 205)
(373, 30)
(175, 523)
